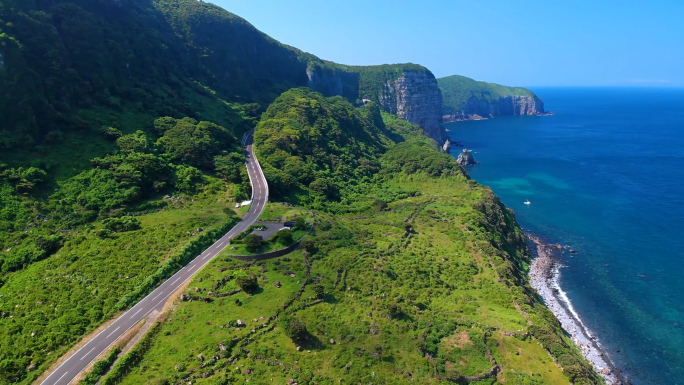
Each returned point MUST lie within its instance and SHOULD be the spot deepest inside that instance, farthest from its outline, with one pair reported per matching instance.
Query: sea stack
(447, 146)
(465, 158)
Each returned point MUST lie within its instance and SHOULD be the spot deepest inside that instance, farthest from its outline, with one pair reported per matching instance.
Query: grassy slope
(443, 290)
(81, 286)
(443, 249)
(457, 90)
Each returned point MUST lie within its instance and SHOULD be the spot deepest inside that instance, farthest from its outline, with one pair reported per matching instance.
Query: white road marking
(86, 355)
(139, 310)
(61, 377)
(110, 334)
(155, 297)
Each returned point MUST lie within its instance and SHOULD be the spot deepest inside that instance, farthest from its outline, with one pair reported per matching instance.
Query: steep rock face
(509, 105)
(334, 81)
(468, 99)
(415, 97)
(476, 109)
(409, 91)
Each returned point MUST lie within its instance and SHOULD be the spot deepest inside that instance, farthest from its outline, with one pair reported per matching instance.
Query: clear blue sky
(516, 42)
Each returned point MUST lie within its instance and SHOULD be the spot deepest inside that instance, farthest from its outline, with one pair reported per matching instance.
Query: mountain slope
(465, 98)
(159, 57)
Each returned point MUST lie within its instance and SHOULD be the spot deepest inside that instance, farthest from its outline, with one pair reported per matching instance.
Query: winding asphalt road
(66, 372)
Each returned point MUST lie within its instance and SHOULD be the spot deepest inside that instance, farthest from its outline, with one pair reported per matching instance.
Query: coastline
(466, 117)
(544, 277)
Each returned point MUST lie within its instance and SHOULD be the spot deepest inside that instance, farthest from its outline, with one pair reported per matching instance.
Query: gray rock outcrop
(466, 158)
(509, 105)
(413, 96)
(334, 82)
(416, 98)
(447, 146)
(476, 109)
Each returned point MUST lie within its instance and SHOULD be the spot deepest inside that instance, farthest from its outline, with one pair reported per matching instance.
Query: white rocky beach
(544, 277)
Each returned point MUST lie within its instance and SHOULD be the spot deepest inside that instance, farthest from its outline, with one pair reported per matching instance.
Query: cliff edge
(408, 90)
(468, 99)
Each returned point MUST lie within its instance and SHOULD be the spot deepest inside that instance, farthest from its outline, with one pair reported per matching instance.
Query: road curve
(68, 370)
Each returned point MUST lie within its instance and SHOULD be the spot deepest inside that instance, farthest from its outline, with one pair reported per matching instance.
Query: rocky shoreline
(467, 117)
(544, 277)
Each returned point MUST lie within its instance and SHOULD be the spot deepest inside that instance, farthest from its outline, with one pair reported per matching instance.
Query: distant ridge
(468, 99)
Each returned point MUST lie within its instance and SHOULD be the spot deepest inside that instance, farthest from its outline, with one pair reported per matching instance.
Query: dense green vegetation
(120, 160)
(457, 90)
(321, 152)
(156, 58)
(413, 273)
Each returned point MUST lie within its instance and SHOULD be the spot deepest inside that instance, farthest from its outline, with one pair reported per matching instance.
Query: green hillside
(414, 272)
(119, 155)
(458, 90)
(120, 160)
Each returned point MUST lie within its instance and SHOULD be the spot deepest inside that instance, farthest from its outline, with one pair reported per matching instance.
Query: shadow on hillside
(311, 342)
(329, 298)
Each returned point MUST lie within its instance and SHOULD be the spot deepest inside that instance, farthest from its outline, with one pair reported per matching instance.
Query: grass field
(80, 287)
(429, 302)
(277, 211)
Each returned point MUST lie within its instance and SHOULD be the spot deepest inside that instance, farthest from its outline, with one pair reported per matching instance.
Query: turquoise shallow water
(605, 175)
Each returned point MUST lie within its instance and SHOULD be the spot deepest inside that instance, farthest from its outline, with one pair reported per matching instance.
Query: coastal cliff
(467, 99)
(415, 97)
(410, 91)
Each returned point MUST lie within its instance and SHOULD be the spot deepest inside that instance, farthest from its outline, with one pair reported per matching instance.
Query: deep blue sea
(605, 175)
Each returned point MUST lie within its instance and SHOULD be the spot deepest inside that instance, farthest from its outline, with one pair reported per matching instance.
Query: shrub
(186, 178)
(110, 133)
(248, 283)
(319, 290)
(300, 223)
(228, 166)
(296, 330)
(121, 224)
(379, 205)
(284, 237)
(394, 310)
(136, 142)
(253, 242)
(309, 246)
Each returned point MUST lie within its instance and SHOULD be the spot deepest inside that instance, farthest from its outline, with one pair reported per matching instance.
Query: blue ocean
(604, 175)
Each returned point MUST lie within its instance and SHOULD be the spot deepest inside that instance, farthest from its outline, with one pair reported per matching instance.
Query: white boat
(527, 202)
